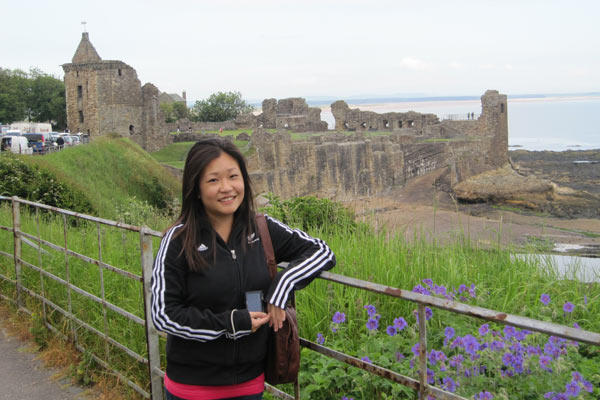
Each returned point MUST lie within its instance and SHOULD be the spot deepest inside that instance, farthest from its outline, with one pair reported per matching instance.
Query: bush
(32, 183)
(308, 213)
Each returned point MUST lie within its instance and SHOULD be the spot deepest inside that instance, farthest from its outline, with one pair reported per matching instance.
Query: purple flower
(391, 331)
(545, 298)
(320, 338)
(568, 307)
(576, 325)
(470, 344)
(420, 289)
(585, 299)
(588, 387)
(497, 345)
(367, 359)
(507, 359)
(449, 332)
(435, 356)
(577, 377)
(371, 310)
(339, 317)
(428, 314)
(509, 331)
(347, 398)
(372, 324)
(484, 396)
(572, 389)
(439, 290)
(449, 384)
(428, 282)
(472, 290)
(415, 350)
(400, 323)
(456, 361)
(520, 335)
(534, 350)
(545, 363)
(462, 288)
(484, 329)
(430, 376)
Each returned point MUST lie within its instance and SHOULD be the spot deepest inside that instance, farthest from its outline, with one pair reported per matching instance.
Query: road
(23, 377)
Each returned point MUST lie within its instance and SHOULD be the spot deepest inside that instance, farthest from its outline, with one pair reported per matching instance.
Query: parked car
(15, 144)
(76, 140)
(39, 142)
(68, 140)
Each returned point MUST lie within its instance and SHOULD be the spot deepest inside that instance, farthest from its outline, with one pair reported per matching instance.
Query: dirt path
(419, 212)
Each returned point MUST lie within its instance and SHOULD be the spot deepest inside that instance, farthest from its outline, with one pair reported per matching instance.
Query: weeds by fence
(73, 285)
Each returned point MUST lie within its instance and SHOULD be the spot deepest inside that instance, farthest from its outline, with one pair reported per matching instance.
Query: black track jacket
(204, 313)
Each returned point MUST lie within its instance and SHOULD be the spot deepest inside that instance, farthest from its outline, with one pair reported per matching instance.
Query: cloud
(414, 64)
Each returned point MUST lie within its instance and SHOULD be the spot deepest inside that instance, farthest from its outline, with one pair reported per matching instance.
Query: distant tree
(14, 93)
(220, 106)
(174, 111)
(167, 110)
(35, 96)
(47, 99)
(180, 110)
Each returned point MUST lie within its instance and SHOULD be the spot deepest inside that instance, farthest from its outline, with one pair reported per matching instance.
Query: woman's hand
(258, 319)
(276, 316)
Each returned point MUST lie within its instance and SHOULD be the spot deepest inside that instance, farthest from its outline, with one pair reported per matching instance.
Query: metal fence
(151, 357)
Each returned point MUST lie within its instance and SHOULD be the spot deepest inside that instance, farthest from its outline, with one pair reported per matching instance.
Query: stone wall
(340, 169)
(344, 167)
(356, 120)
(185, 125)
(292, 114)
(106, 97)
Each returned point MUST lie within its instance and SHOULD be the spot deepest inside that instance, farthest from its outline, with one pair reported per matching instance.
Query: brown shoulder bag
(283, 352)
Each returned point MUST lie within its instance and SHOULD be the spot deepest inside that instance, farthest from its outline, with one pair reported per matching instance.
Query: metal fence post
(17, 246)
(147, 258)
(422, 351)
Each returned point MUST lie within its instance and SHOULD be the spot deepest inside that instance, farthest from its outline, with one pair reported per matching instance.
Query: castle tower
(494, 119)
(102, 96)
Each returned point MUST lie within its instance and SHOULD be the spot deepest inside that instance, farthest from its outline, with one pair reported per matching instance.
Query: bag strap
(265, 238)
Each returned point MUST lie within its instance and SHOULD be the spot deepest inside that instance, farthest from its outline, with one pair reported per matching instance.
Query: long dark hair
(192, 208)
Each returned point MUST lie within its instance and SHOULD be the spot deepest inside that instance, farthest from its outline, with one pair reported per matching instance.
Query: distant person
(60, 142)
(208, 262)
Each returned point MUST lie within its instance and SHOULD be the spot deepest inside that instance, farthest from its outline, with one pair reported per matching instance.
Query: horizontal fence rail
(153, 361)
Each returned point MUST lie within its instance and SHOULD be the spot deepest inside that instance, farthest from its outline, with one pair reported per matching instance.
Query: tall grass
(113, 173)
(502, 283)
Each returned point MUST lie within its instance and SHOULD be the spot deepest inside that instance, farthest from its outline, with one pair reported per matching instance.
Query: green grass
(502, 283)
(113, 173)
(175, 153)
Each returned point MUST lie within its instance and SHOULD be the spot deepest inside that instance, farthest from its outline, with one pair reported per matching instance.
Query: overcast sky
(339, 49)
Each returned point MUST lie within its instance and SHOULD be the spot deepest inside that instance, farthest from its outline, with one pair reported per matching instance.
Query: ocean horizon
(553, 123)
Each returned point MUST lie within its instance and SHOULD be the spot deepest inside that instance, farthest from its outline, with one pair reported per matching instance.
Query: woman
(207, 262)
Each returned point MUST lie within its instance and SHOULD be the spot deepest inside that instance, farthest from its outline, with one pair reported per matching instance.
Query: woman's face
(221, 188)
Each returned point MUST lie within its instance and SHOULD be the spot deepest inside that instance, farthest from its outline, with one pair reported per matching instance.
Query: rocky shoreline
(562, 218)
(576, 169)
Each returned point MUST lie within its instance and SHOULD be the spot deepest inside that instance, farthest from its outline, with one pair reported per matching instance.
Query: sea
(552, 122)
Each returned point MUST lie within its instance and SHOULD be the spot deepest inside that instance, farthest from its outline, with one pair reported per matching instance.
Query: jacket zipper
(235, 346)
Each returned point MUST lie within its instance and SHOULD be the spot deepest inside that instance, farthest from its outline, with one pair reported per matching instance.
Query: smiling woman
(208, 261)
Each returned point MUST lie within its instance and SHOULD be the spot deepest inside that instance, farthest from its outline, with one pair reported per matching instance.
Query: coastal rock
(505, 186)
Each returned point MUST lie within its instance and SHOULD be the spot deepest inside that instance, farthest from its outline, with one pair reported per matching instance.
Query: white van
(16, 144)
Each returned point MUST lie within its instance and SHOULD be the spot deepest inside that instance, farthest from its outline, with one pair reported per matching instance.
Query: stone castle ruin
(106, 97)
(338, 166)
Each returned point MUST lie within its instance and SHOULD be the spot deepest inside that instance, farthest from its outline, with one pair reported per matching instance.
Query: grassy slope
(109, 171)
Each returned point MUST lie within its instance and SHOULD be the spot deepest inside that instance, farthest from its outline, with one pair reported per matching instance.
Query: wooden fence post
(147, 258)
(17, 246)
